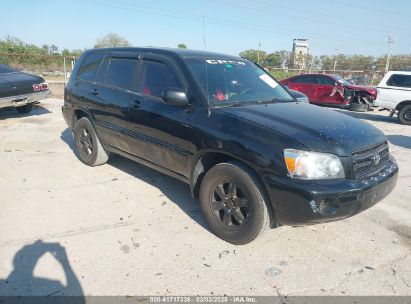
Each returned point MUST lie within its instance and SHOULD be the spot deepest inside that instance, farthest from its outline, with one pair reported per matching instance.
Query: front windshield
(239, 81)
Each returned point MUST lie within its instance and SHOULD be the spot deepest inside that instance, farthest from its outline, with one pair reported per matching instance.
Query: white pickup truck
(394, 93)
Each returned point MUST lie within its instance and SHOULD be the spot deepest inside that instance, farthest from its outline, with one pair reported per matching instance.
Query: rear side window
(305, 79)
(89, 67)
(398, 80)
(121, 73)
(156, 77)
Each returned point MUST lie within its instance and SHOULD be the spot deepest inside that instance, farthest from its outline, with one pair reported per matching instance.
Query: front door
(326, 91)
(162, 132)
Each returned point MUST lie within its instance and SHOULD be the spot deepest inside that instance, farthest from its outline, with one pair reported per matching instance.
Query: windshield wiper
(231, 104)
(275, 99)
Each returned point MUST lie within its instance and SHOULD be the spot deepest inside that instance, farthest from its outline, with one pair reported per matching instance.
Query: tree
(254, 55)
(272, 60)
(111, 40)
(182, 46)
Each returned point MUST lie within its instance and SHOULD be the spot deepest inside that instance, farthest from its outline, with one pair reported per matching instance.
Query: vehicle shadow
(174, 190)
(12, 113)
(21, 282)
(400, 140)
(384, 117)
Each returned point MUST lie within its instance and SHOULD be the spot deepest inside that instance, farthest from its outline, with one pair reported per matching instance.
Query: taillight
(40, 87)
(44, 86)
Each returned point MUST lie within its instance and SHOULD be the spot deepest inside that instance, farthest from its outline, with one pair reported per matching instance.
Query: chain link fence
(56, 70)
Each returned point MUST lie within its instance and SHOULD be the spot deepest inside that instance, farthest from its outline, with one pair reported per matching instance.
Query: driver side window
(324, 80)
(157, 76)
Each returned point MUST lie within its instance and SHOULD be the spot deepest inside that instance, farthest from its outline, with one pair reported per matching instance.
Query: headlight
(312, 165)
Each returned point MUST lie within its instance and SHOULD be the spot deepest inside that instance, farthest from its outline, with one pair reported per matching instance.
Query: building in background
(300, 53)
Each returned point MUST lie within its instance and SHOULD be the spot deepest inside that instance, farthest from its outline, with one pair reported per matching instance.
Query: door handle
(136, 104)
(94, 91)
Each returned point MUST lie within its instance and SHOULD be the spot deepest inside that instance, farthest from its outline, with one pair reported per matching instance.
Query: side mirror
(175, 97)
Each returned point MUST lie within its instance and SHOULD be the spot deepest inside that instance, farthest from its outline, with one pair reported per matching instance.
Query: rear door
(115, 90)
(162, 132)
(305, 84)
(82, 92)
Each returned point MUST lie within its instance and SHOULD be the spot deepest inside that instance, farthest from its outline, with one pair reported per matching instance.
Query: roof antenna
(206, 68)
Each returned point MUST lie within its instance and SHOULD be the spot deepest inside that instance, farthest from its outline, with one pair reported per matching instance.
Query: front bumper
(301, 202)
(21, 100)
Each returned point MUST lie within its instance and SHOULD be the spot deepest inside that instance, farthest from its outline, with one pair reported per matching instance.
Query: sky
(228, 26)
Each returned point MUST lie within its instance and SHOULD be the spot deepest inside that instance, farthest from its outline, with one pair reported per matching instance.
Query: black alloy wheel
(229, 204)
(234, 202)
(89, 148)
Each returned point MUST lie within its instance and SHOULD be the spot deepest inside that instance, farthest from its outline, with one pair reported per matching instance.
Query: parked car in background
(329, 90)
(253, 156)
(20, 90)
(394, 93)
(359, 80)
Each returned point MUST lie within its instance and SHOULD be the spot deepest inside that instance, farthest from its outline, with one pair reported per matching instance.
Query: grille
(369, 161)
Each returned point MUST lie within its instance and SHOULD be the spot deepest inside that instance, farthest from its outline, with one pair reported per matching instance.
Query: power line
(353, 21)
(319, 13)
(209, 20)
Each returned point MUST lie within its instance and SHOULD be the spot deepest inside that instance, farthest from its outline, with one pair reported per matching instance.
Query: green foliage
(16, 53)
(282, 74)
(254, 55)
(111, 40)
(182, 46)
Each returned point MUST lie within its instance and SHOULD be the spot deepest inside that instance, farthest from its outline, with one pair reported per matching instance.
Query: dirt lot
(121, 228)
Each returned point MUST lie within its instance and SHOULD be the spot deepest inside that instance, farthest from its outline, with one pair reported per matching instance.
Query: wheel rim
(86, 144)
(229, 204)
(407, 115)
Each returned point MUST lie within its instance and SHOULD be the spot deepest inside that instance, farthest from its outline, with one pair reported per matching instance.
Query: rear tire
(25, 109)
(358, 107)
(404, 115)
(89, 148)
(233, 203)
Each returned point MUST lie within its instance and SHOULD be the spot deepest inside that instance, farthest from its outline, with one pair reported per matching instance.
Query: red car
(327, 89)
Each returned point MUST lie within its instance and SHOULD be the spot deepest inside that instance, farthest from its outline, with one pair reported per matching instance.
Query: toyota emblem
(376, 158)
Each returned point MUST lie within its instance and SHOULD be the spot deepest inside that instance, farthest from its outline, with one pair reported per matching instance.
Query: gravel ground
(124, 229)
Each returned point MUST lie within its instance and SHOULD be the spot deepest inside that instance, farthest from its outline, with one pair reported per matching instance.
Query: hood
(319, 129)
(370, 90)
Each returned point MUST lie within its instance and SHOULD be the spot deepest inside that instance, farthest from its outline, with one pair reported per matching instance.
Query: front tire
(25, 109)
(404, 115)
(89, 148)
(358, 107)
(233, 203)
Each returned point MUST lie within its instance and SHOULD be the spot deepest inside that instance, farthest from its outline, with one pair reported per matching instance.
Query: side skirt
(149, 164)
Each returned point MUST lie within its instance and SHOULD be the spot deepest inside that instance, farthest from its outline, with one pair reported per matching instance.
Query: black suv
(252, 154)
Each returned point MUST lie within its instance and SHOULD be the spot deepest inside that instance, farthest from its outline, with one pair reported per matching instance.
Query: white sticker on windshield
(268, 80)
(219, 61)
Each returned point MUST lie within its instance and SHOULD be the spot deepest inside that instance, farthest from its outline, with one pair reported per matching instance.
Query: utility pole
(335, 59)
(390, 42)
(258, 53)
